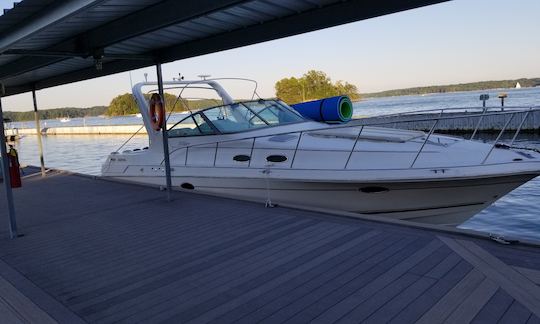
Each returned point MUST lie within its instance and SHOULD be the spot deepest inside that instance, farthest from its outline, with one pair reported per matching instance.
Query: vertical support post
(38, 133)
(165, 135)
(5, 174)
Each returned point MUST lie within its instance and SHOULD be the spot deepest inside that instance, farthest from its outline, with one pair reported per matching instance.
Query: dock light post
(165, 135)
(38, 133)
(5, 173)
(484, 97)
(502, 95)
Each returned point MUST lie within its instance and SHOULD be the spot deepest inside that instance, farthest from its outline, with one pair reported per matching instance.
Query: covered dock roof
(45, 43)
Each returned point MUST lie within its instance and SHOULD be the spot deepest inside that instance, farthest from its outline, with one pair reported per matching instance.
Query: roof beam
(165, 13)
(162, 15)
(97, 54)
(27, 28)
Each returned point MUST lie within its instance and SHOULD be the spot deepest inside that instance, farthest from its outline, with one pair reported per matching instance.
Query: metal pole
(164, 133)
(425, 142)
(5, 174)
(38, 133)
(498, 138)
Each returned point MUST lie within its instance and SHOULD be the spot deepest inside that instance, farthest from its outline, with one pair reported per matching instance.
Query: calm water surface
(516, 215)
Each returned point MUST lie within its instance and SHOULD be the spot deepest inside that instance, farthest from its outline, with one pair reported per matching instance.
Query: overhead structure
(46, 43)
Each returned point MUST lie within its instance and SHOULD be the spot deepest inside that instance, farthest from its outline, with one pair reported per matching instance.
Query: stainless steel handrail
(353, 147)
(424, 144)
(478, 123)
(296, 148)
(519, 127)
(498, 138)
(366, 122)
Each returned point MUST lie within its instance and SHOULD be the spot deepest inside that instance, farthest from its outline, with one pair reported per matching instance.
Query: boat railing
(465, 110)
(378, 121)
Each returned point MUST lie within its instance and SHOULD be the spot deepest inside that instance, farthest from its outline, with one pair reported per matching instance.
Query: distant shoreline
(460, 87)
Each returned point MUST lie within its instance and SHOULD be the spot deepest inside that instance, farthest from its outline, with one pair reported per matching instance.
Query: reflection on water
(78, 153)
(515, 215)
(518, 213)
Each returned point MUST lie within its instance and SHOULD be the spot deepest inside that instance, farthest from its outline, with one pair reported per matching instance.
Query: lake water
(517, 215)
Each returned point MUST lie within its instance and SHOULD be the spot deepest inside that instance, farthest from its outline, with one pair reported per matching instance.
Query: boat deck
(101, 251)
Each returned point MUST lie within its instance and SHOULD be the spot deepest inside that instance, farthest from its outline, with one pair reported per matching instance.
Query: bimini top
(45, 43)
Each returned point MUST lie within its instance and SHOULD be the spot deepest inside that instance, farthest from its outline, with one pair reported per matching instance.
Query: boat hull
(448, 202)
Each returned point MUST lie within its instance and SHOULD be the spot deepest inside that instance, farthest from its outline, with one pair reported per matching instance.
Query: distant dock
(81, 130)
(489, 123)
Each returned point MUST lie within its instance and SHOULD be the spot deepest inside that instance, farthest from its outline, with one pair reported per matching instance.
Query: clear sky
(452, 42)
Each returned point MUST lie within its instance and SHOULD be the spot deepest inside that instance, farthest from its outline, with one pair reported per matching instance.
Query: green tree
(122, 105)
(318, 85)
(313, 85)
(346, 89)
(290, 90)
(125, 104)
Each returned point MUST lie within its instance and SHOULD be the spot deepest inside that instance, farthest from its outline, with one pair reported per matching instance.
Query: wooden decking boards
(106, 252)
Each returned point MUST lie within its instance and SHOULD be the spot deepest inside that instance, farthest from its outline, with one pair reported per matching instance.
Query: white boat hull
(231, 150)
(448, 202)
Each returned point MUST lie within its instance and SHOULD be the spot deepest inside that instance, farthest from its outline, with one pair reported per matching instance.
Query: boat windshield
(237, 117)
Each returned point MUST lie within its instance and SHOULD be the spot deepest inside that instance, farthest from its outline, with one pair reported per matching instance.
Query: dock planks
(106, 252)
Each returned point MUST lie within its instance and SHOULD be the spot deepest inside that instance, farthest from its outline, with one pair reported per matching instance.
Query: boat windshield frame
(246, 108)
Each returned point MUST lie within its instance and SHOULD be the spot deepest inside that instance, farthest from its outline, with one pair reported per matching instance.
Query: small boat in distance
(65, 120)
(265, 151)
(138, 115)
(518, 86)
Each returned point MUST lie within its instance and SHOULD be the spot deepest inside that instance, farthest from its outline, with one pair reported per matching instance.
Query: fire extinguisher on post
(14, 168)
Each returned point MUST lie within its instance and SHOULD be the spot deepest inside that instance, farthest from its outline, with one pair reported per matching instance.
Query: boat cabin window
(274, 112)
(235, 118)
(193, 125)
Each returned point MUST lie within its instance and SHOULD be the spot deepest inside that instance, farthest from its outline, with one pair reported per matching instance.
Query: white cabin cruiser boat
(262, 150)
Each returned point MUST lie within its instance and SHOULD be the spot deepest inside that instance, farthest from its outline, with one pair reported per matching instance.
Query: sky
(453, 42)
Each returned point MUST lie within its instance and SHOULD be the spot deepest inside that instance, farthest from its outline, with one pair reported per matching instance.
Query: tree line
(56, 113)
(482, 85)
(311, 86)
(120, 106)
(125, 104)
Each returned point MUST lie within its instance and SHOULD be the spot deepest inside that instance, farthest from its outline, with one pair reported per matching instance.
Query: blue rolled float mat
(337, 109)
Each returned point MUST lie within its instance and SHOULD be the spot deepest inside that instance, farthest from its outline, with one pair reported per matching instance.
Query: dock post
(484, 97)
(164, 133)
(502, 95)
(38, 133)
(5, 173)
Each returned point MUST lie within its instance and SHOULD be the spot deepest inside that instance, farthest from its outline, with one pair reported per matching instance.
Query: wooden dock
(104, 252)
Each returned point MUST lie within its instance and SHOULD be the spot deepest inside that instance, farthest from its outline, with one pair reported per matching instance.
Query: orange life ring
(157, 111)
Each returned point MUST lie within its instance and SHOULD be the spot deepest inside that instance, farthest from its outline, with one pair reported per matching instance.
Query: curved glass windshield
(237, 117)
